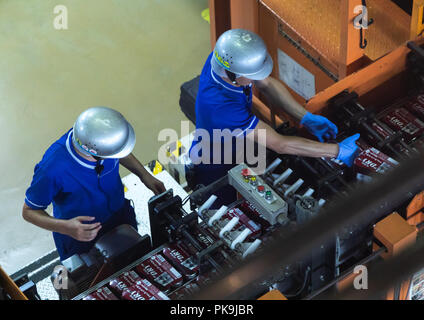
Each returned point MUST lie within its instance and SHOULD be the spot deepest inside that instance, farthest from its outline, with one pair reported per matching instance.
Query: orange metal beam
(11, 288)
(245, 15)
(273, 295)
(414, 211)
(364, 80)
(220, 18)
(417, 26)
(390, 29)
(396, 234)
(350, 51)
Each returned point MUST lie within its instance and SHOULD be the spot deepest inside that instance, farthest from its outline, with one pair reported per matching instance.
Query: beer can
(101, 294)
(179, 255)
(246, 222)
(160, 272)
(152, 289)
(124, 281)
(137, 292)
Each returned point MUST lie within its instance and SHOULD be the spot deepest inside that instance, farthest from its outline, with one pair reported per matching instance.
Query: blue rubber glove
(348, 150)
(319, 126)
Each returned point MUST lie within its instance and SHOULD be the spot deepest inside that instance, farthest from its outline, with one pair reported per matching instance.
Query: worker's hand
(319, 126)
(348, 150)
(77, 229)
(154, 184)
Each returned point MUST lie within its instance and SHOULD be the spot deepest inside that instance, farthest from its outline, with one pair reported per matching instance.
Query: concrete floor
(131, 55)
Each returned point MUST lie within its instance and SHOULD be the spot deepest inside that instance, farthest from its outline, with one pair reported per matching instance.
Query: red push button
(261, 189)
(245, 172)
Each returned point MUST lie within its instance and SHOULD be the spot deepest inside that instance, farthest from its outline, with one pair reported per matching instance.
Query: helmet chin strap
(232, 76)
(99, 166)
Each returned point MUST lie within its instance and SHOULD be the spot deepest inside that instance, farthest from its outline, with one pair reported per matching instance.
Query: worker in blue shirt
(224, 101)
(79, 175)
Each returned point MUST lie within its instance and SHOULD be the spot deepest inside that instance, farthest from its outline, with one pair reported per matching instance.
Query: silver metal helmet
(243, 53)
(103, 132)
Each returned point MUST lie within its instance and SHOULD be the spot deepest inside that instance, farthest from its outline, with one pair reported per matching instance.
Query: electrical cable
(99, 169)
(305, 282)
(232, 76)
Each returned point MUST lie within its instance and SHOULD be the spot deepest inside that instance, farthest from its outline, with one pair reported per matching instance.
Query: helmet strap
(232, 76)
(99, 166)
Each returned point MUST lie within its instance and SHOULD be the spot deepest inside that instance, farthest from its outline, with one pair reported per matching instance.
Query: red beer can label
(101, 294)
(124, 281)
(149, 287)
(245, 221)
(382, 132)
(179, 255)
(204, 235)
(416, 108)
(185, 291)
(160, 272)
(137, 292)
(253, 213)
(372, 161)
(402, 120)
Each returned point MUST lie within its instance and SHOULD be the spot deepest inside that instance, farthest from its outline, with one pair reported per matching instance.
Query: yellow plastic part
(158, 168)
(206, 15)
(175, 149)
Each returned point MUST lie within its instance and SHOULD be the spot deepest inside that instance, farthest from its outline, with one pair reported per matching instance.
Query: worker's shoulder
(213, 93)
(56, 156)
(214, 90)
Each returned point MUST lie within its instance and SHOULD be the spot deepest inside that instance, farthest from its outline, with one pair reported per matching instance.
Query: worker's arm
(74, 228)
(344, 151)
(132, 164)
(293, 145)
(278, 96)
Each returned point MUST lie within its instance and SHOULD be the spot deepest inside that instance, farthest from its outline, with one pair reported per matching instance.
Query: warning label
(295, 76)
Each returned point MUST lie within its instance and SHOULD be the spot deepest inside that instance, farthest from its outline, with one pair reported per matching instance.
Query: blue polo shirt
(72, 185)
(220, 105)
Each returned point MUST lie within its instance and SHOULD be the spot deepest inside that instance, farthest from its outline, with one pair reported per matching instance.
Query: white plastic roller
(275, 176)
(207, 204)
(294, 187)
(309, 193)
(218, 215)
(252, 248)
(240, 238)
(273, 165)
(321, 202)
(229, 226)
(283, 177)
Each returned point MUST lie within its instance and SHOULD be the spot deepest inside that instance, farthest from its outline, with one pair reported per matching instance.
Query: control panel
(258, 193)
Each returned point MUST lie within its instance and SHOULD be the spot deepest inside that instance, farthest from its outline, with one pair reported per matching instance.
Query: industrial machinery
(186, 252)
(190, 252)
(321, 41)
(302, 226)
